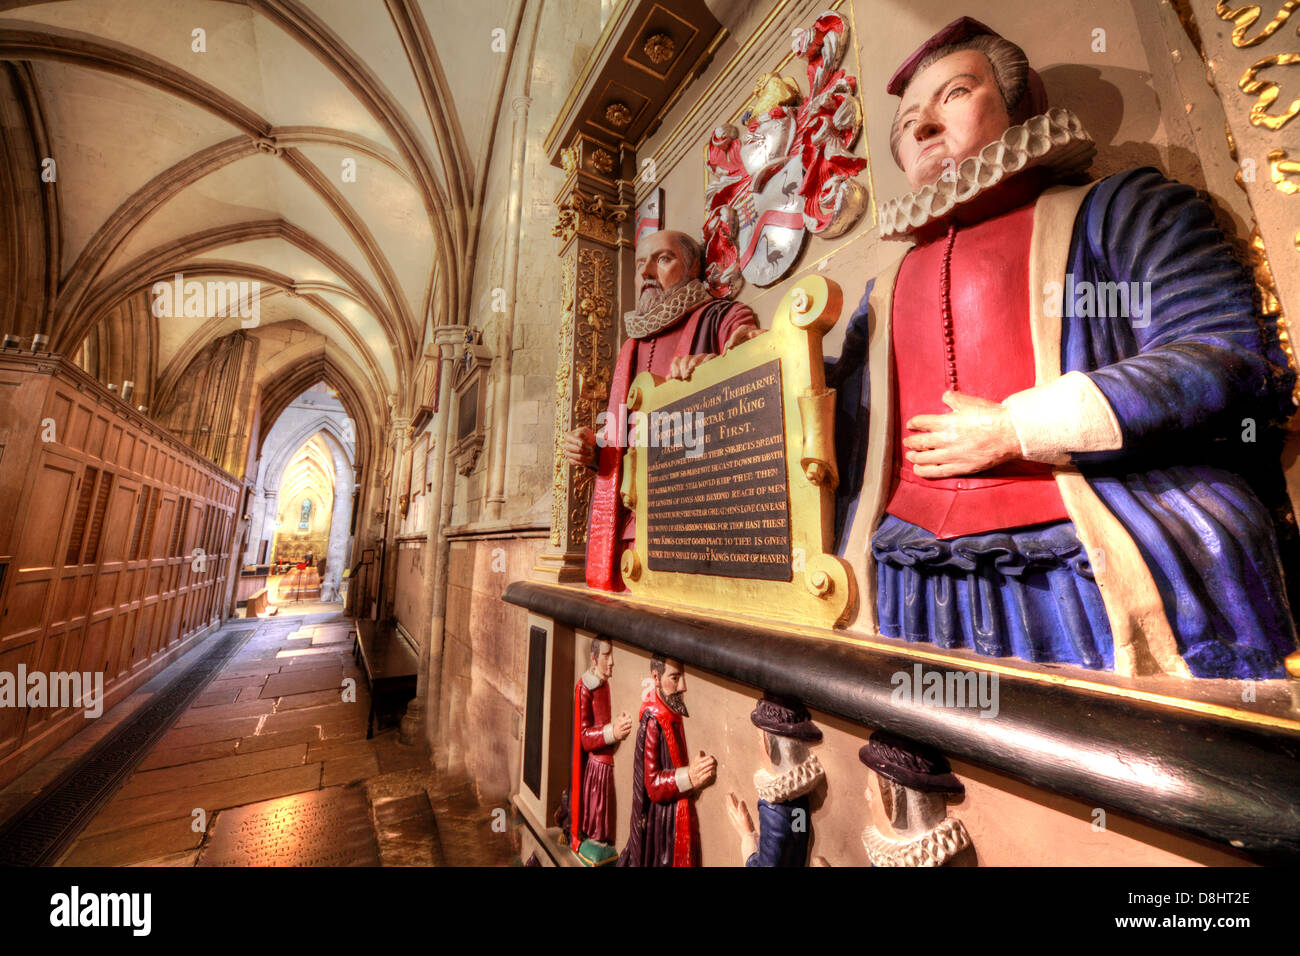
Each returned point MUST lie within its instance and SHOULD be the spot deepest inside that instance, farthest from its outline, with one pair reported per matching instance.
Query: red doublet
(661, 782)
(986, 351)
(591, 713)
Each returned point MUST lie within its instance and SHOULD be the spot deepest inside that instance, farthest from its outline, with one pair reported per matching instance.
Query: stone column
(428, 679)
(401, 427)
(496, 494)
(590, 227)
(270, 514)
(336, 549)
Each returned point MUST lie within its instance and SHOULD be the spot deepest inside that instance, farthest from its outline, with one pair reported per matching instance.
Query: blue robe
(1207, 510)
(779, 843)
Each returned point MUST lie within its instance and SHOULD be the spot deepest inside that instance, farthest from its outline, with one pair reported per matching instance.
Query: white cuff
(683, 779)
(1070, 414)
(609, 734)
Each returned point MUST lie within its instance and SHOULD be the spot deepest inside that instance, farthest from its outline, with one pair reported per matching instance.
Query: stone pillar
(590, 227)
(257, 518)
(336, 551)
(400, 437)
(428, 679)
(496, 494)
(270, 514)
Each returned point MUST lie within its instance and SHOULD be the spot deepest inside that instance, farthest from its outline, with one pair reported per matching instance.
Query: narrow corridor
(270, 765)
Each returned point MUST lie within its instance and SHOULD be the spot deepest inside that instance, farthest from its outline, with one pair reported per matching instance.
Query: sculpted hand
(684, 365)
(739, 815)
(975, 436)
(742, 334)
(622, 726)
(579, 447)
(702, 771)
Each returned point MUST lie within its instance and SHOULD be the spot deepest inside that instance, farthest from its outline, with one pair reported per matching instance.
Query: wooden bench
(258, 602)
(390, 663)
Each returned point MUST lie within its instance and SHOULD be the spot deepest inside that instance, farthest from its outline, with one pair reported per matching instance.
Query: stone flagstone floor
(272, 724)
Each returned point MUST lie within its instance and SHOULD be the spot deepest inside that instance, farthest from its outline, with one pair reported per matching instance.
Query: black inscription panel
(717, 493)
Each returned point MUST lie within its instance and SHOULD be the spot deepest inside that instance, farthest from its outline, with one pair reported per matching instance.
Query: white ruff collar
(935, 847)
(687, 295)
(795, 782)
(1055, 140)
(590, 679)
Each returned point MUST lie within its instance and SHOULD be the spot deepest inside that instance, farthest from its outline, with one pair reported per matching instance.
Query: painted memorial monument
(1020, 458)
(596, 735)
(1069, 484)
(1052, 378)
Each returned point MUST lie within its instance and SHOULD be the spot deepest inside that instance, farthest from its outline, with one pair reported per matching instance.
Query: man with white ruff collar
(1057, 470)
(784, 787)
(677, 324)
(907, 791)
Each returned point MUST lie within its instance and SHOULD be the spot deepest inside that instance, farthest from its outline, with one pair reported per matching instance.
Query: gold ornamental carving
(569, 159)
(593, 347)
(618, 114)
(592, 350)
(602, 161)
(563, 406)
(659, 48)
(1279, 168)
(1266, 92)
(588, 216)
(1244, 18)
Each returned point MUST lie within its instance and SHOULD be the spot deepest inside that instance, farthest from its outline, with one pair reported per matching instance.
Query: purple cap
(963, 28)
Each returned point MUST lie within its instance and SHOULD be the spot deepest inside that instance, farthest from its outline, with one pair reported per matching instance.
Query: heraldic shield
(789, 171)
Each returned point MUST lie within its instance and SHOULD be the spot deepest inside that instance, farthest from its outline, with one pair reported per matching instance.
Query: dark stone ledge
(1196, 774)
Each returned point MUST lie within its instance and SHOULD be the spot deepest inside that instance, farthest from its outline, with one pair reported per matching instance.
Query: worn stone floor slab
(330, 827)
(122, 814)
(127, 847)
(207, 715)
(209, 771)
(171, 756)
(324, 678)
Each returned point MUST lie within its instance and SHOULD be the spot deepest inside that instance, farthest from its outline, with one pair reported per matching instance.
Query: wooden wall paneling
(102, 531)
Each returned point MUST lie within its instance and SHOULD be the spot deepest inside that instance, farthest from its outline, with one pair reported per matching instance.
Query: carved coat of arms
(789, 171)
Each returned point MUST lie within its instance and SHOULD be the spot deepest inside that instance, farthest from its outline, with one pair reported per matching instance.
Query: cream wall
(566, 35)
(1009, 822)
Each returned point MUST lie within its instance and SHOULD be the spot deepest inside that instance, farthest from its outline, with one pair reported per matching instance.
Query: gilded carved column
(1252, 57)
(591, 227)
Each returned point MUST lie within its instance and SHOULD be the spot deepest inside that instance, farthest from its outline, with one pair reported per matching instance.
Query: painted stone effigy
(785, 787)
(596, 735)
(1070, 365)
(665, 778)
(908, 789)
(677, 323)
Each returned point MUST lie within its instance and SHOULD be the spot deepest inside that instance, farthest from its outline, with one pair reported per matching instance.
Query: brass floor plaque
(320, 828)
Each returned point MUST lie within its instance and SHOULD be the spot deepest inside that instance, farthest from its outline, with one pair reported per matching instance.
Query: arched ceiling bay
(332, 149)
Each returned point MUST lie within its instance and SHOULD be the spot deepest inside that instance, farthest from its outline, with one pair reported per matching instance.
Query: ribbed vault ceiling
(230, 164)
